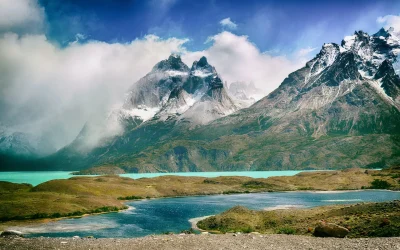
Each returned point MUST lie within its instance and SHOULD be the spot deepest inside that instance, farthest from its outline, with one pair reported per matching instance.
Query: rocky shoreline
(203, 241)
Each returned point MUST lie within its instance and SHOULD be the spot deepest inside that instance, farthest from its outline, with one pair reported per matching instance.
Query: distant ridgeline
(341, 110)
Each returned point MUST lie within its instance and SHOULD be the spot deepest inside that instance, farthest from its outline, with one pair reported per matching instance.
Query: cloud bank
(390, 21)
(53, 91)
(237, 59)
(21, 15)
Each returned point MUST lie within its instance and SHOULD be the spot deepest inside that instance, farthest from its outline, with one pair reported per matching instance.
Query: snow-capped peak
(371, 51)
(174, 63)
(325, 58)
(171, 89)
(202, 69)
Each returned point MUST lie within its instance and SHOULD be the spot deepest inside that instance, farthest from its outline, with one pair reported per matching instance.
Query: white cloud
(390, 21)
(53, 91)
(21, 15)
(227, 23)
(237, 59)
(305, 52)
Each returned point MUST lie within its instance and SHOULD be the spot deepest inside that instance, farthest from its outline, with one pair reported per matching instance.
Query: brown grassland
(77, 196)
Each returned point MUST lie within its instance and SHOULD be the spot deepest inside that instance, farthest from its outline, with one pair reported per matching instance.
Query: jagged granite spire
(174, 62)
(382, 32)
(200, 78)
(152, 91)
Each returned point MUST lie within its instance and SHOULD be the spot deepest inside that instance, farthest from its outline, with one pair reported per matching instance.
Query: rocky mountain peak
(324, 58)
(200, 77)
(361, 35)
(202, 68)
(371, 51)
(173, 63)
(201, 63)
(147, 96)
(382, 32)
(343, 68)
(355, 41)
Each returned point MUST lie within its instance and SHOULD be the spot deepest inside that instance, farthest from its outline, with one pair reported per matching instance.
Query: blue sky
(277, 26)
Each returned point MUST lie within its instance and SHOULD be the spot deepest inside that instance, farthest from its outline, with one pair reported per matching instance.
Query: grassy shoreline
(371, 219)
(89, 195)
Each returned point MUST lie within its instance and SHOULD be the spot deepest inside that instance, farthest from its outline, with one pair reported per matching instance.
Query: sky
(281, 26)
(66, 62)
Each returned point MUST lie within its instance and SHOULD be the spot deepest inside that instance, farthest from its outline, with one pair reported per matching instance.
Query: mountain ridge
(329, 114)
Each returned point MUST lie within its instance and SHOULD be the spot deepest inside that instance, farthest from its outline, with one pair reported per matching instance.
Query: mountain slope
(330, 114)
(340, 110)
(170, 99)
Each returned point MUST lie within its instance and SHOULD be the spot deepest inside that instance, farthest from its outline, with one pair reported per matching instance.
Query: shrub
(56, 215)
(395, 176)
(231, 192)
(247, 230)
(286, 230)
(305, 188)
(133, 197)
(210, 181)
(380, 184)
(256, 184)
(189, 231)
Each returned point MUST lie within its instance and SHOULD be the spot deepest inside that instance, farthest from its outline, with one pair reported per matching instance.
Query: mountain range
(341, 110)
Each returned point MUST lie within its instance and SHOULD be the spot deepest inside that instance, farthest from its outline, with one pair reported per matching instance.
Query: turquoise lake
(37, 177)
(156, 216)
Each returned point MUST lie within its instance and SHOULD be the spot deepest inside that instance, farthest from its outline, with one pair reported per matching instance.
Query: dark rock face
(330, 230)
(344, 68)
(382, 32)
(390, 81)
(201, 77)
(202, 64)
(216, 83)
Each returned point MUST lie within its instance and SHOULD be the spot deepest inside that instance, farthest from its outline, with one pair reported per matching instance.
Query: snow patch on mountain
(142, 112)
(201, 73)
(325, 58)
(176, 73)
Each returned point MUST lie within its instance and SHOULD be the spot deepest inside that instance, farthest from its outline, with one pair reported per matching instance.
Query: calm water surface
(173, 214)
